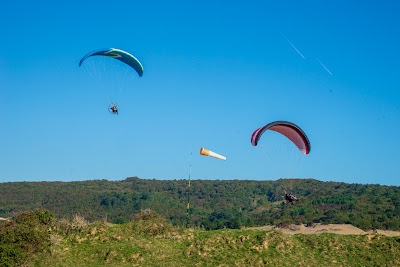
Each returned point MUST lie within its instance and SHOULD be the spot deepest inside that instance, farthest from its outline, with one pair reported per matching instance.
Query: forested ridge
(214, 204)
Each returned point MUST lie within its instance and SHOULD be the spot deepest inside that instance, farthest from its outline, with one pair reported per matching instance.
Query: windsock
(206, 152)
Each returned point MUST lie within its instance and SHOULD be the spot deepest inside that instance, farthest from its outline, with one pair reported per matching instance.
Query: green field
(150, 240)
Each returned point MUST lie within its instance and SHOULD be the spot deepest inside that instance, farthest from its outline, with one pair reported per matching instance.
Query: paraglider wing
(288, 129)
(118, 54)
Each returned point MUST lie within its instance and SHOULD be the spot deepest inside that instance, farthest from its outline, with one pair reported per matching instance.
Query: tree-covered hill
(214, 204)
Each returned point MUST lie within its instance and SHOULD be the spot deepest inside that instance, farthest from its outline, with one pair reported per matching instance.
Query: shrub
(77, 225)
(26, 234)
(146, 214)
(310, 224)
(150, 223)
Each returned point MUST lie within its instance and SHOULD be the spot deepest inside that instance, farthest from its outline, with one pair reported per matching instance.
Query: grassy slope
(156, 243)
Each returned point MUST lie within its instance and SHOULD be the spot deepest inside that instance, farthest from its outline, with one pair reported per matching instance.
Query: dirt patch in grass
(341, 229)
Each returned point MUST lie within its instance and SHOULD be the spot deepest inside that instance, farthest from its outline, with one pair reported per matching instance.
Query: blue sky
(214, 71)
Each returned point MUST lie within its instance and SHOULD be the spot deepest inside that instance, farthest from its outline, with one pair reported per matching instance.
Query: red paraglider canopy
(288, 129)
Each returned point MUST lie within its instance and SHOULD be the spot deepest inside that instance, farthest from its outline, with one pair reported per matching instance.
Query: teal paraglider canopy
(117, 54)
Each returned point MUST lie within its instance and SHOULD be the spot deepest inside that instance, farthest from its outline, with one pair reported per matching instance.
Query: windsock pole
(188, 192)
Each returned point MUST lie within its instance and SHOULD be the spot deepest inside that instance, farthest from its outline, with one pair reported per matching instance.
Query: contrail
(297, 50)
(324, 67)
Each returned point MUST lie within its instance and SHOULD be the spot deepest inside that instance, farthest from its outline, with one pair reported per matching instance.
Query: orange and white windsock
(206, 152)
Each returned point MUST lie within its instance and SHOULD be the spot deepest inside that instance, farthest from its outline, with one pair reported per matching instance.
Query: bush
(25, 235)
(11, 255)
(310, 224)
(77, 225)
(282, 225)
(146, 214)
(150, 223)
(36, 218)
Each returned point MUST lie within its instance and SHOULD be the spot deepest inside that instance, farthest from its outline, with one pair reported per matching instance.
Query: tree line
(214, 204)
